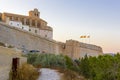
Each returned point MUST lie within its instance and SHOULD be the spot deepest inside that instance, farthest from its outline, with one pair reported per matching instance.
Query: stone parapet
(24, 39)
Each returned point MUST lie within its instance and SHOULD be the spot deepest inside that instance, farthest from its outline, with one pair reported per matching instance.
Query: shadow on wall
(0, 17)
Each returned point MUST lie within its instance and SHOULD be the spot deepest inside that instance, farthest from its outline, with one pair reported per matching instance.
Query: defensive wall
(25, 40)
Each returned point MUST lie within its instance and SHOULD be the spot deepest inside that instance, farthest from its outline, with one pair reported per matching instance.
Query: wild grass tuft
(25, 72)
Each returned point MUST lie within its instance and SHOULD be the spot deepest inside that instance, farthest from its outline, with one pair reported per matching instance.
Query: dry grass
(26, 72)
(70, 75)
(9, 51)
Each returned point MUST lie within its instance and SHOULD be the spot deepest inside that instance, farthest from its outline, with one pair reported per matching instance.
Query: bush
(2, 44)
(31, 58)
(25, 72)
(63, 64)
(71, 75)
(46, 60)
(10, 46)
(103, 67)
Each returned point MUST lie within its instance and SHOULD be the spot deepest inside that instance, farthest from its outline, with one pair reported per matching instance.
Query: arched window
(27, 22)
(33, 22)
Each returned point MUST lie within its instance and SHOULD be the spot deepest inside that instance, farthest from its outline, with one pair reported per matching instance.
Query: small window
(29, 29)
(35, 31)
(17, 24)
(37, 15)
(45, 35)
(63, 46)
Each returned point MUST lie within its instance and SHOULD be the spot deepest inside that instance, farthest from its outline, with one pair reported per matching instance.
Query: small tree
(85, 67)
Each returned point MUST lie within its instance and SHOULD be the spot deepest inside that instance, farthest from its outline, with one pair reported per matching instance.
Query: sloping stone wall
(29, 41)
(23, 39)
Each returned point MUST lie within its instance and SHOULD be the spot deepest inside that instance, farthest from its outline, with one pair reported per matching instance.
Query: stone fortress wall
(27, 40)
(76, 49)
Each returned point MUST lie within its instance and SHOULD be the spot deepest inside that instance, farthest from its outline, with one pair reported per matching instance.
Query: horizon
(99, 19)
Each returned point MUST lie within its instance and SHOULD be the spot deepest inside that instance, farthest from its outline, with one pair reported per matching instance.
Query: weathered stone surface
(6, 56)
(23, 39)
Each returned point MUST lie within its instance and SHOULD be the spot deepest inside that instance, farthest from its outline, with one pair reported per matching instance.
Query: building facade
(32, 23)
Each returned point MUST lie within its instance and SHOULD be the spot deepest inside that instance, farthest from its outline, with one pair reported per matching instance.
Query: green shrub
(31, 58)
(10, 46)
(2, 44)
(50, 60)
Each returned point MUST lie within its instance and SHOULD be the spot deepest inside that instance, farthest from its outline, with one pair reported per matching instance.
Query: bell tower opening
(34, 13)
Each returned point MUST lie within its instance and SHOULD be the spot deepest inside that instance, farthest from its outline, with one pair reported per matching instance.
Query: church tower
(34, 13)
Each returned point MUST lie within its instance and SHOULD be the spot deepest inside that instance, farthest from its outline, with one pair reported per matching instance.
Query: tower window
(35, 31)
(37, 15)
(17, 24)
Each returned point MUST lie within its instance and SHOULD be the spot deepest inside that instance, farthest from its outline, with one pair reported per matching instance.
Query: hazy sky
(72, 18)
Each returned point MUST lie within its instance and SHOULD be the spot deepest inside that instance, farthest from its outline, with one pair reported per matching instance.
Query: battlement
(83, 45)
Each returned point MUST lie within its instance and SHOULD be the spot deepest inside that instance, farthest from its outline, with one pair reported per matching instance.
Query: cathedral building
(32, 23)
(32, 33)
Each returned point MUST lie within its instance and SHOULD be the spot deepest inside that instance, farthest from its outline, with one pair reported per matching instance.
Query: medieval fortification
(32, 33)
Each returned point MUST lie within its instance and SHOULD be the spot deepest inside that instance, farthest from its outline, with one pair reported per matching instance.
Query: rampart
(25, 40)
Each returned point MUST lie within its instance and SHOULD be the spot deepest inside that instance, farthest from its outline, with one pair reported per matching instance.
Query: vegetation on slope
(103, 67)
(63, 64)
(25, 72)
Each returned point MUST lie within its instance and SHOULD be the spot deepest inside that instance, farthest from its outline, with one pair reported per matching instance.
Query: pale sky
(72, 18)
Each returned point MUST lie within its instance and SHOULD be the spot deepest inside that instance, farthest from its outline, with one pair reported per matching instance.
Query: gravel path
(49, 74)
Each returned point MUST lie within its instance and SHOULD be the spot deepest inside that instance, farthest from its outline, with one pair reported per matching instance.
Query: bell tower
(34, 13)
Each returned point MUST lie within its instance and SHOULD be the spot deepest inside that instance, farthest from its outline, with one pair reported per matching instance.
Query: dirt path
(49, 74)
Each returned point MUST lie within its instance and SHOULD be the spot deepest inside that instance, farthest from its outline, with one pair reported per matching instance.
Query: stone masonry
(23, 39)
